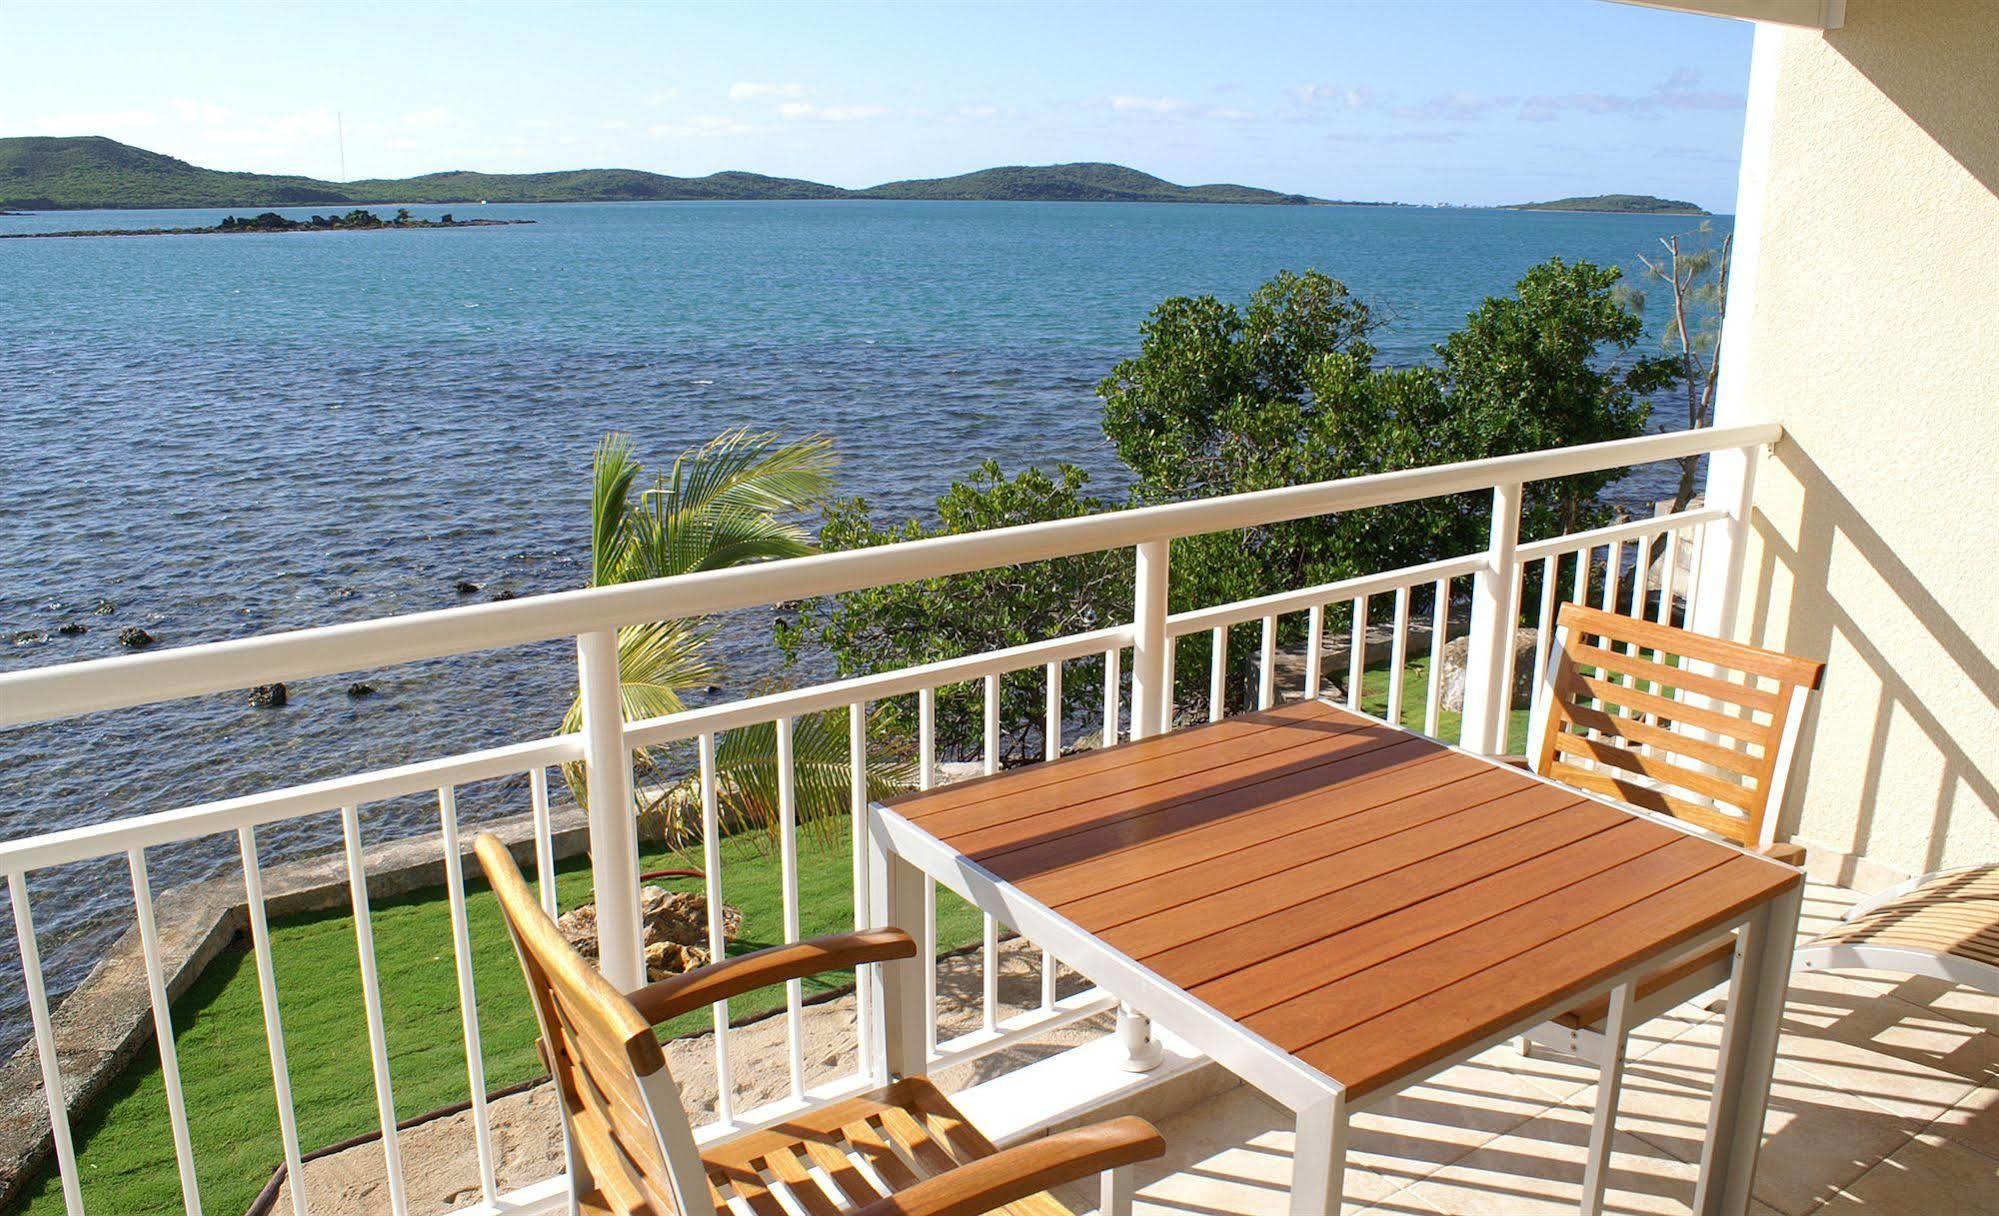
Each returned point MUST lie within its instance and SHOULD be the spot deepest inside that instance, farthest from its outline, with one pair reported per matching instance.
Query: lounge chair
(1622, 700)
(1944, 925)
(902, 1150)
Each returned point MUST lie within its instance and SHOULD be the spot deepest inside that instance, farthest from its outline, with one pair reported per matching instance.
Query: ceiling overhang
(1805, 14)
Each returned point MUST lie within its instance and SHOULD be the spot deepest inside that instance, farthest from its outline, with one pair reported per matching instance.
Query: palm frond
(612, 473)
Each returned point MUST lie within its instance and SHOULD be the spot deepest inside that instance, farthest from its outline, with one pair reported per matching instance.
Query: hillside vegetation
(57, 173)
(1638, 204)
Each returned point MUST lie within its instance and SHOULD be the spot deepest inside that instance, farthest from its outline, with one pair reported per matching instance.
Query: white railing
(1495, 577)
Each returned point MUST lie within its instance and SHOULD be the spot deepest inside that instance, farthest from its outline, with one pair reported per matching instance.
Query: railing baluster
(718, 941)
(1398, 655)
(1266, 666)
(45, 1048)
(274, 1031)
(1113, 694)
(1357, 653)
(1440, 628)
(163, 1029)
(1167, 678)
(468, 992)
(1051, 749)
(1613, 573)
(1544, 634)
(857, 769)
(1579, 587)
(787, 847)
(990, 993)
(1218, 674)
(1315, 645)
(926, 777)
(1509, 655)
(544, 838)
(371, 1003)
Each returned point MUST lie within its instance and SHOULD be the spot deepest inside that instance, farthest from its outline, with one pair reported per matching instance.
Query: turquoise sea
(226, 435)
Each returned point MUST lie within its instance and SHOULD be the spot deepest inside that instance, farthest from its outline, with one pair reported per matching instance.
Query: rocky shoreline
(270, 221)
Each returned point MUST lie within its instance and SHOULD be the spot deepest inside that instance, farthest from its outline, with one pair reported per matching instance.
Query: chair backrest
(629, 1137)
(1671, 721)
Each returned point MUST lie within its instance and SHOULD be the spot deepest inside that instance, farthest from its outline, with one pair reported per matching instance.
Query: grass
(125, 1145)
(1415, 693)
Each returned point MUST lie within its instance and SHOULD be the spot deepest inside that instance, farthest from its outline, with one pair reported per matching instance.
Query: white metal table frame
(901, 855)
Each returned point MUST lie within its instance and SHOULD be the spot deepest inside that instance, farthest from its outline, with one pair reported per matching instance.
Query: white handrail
(41, 694)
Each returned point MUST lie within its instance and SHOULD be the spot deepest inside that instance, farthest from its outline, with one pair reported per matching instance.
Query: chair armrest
(1012, 1174)
(732, 977)
(1790, 852)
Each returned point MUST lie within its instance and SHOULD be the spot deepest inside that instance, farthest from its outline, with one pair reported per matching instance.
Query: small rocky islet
(357, 220)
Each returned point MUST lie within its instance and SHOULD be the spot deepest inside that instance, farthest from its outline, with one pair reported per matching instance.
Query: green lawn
(125, 1146)
(1416, 690)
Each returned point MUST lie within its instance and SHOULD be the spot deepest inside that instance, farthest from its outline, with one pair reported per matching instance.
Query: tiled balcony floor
(1886, 1100)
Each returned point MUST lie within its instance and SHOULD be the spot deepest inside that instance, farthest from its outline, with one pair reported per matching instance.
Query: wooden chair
(1944, 925)
(902, 1150)
(1675, 723)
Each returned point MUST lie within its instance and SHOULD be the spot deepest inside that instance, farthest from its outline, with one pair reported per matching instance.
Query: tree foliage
(905, 624)
(1221, 399)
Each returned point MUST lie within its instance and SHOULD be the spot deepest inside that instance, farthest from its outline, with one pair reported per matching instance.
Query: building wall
(1865, 319)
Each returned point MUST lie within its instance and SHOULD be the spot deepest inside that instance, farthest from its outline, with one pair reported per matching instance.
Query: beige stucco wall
(1869, 327)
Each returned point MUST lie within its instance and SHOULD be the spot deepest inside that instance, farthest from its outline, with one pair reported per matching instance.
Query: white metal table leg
(896, 891)
(1119, 1188)
(1747, 1058)
(1319, 1159)
(1609, 1085)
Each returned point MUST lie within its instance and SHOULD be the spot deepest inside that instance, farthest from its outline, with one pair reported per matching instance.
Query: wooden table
(1334, 908)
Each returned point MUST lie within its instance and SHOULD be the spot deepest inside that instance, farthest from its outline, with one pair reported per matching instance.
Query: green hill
(59, 173)
(1085, 182)
(1637, 204)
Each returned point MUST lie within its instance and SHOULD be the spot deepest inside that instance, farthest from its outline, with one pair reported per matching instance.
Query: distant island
(1633, 204)
(57, 173)
(270, 221)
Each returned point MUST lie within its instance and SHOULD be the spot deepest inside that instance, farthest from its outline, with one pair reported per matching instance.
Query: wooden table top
(1362, 897)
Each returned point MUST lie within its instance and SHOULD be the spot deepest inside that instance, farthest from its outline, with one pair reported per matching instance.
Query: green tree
(884, 628)
(1538, 369)
(725, 503)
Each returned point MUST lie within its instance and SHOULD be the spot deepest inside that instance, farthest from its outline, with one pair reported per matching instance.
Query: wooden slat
(1120, 821)
(1344, 820)
(1771, 664)
(1665, 739)
(1370, 890)
(1210, 840)
(1646, 798)
(1571, 684)
(1421, 1033)
(1677, 776)
(1270, 983)
(1088, 802)
(833, 1159)
(1620, 663)
(1430, 966)
(872, 1144)
(788, 1169)
(917, 806)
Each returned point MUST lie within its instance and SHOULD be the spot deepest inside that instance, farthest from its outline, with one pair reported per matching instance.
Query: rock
(503, 593)
(358, 689)
(1455, 652)
(713, 689)
(268, 696)
(104, 607)
(131, 637)
(676, 929)
(71, 629)
(465, 587)
(29, 637)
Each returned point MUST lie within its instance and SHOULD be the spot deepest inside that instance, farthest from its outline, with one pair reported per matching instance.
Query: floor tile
(1539, 1169)
(1930, 1177)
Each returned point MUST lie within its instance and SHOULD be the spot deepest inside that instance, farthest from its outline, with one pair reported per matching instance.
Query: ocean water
(223, 436)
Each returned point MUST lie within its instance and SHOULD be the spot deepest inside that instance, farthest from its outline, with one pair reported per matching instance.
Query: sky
(1426, 101)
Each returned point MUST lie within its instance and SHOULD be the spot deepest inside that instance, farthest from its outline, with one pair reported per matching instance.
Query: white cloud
(803, 110)
(98, 122)
(615, 124)
(978, 111)
(1228, 114)
(750, 90)
(1679, 91)
(1127, 104)
(538, 124)
(1334, 97)
(1451, 107)
(661, 96)
(703, 126)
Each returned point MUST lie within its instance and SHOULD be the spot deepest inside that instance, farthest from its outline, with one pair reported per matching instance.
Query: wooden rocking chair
(1618, 711)
(902, 1150)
